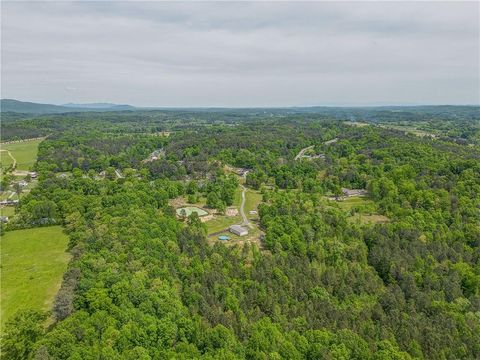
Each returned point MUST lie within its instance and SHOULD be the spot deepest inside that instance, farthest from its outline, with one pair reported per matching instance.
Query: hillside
(24, 107)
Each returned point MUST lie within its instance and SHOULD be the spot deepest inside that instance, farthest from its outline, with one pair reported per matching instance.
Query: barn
(238, 230)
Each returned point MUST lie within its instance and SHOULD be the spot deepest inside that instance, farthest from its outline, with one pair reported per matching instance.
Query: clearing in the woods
(33, 263)
(24, 153)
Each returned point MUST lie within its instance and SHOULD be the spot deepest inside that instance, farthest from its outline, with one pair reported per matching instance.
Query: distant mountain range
(99, 106)
(16, 106)
(350, 112)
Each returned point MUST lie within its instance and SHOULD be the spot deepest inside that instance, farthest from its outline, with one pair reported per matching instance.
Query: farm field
(5, 158)
(33, 263)
(25, 153)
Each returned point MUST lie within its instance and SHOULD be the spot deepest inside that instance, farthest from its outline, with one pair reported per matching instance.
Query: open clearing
(33, 263)
(362, 210)
(191, 209)
(220, 222)
(25, 153)
(368, 218)
(253, 199)
(6, 158)
(356, 201)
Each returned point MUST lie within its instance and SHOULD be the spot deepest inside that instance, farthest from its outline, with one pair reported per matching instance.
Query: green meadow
(25, 153)
(33, 263)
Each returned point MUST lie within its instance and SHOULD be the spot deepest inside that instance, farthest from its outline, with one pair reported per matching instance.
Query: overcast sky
(241, 54)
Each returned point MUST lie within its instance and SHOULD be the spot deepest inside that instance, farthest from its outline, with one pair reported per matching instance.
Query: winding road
(302, 152)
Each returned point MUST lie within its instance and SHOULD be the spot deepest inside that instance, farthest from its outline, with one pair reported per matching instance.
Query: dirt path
(302, 152)
(11, 156)
(331, 141)
(119, 174)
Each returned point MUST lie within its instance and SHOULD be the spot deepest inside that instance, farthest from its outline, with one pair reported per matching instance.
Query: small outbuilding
(238, 230)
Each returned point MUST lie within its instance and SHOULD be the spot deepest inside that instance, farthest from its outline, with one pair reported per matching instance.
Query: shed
(238, 230)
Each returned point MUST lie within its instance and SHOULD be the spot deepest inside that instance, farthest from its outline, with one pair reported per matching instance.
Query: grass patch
(252, 199)
(237, 199)
(7, 211)
(368, 218)
(191, 209)
(33, 263)
(5, 159)
(408, 129)
(24, 152)
(220, 222)
(358, 201)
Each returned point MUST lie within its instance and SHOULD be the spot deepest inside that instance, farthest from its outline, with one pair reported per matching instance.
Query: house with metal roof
(238, 230)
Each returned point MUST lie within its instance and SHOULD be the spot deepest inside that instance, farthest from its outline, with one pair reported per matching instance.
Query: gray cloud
(241, 54)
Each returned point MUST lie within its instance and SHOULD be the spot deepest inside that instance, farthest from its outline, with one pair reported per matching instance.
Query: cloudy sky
(241, 54)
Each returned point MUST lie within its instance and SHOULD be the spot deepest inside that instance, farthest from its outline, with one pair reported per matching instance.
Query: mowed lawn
(33, 263)
(252, 199)
(24, 152)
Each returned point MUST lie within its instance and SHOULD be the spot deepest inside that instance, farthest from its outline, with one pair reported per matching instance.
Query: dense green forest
(322, 283)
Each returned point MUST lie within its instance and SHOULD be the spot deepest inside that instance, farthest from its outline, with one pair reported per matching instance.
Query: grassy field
(221, 222)
(7, 211)
(190, 209)
(368, 219)
(33, 263)
(409, 129)
(5, 159)
(252, 199)
(365, 210)
(351, 202)
(24, 152)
